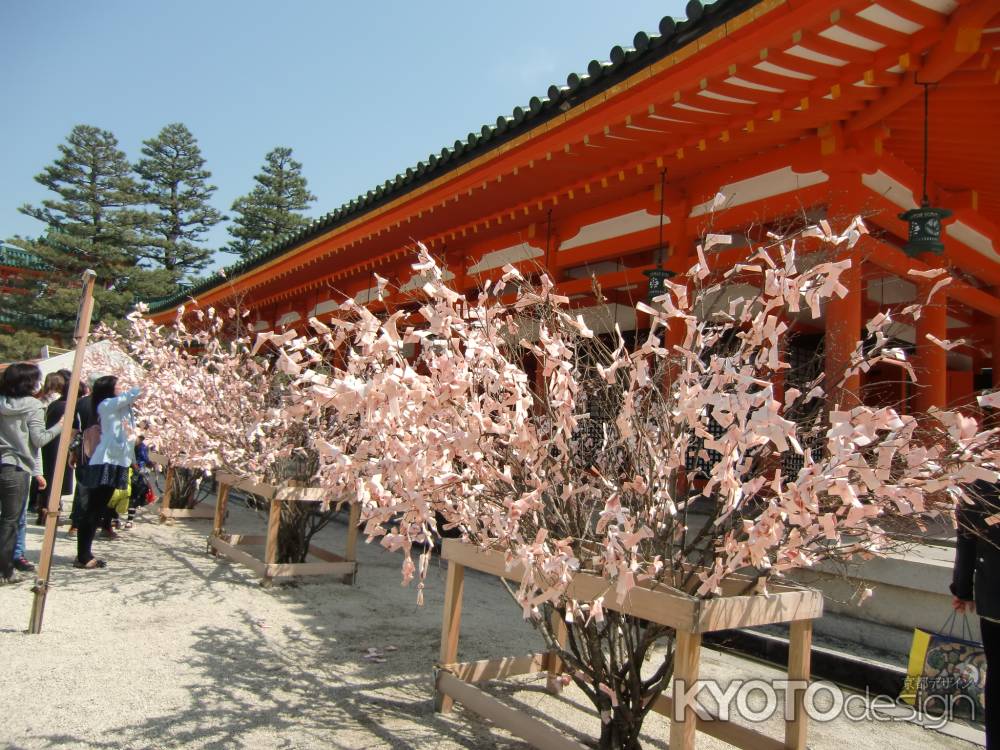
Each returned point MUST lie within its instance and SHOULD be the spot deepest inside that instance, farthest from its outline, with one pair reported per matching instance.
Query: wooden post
(351, 552)
(168, 489)
(555, 667)
(41, 587)
(687, 654)
(799, 657)
(221, 501)
(271, 541)
(450, 626)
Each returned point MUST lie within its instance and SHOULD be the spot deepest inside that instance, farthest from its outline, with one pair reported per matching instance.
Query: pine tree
(22, 344)
(93, 221)
(175, 185)
(272, 209)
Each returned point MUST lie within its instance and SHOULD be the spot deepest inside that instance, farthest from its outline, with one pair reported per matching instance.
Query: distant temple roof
(15, 257)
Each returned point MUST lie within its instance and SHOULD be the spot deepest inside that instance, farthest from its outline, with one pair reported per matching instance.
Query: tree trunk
(621, 733)
(293, 533)
(296, 527)
(620, 645)
(183, 489)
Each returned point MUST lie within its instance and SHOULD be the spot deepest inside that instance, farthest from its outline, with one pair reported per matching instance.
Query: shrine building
(16, 267)
(793, 110)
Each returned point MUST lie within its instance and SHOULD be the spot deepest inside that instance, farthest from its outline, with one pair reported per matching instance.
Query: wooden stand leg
(271, 543)
(168, 488)
(799, 653)
(451, 626)
(555, 668)
(687, 655)
(351, 553)
(221, 501)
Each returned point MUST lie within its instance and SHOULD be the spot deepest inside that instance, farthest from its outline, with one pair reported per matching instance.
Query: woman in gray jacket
(22, 435)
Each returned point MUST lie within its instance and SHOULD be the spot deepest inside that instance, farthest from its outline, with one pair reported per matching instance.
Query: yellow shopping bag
(946, 673)
(120, 498)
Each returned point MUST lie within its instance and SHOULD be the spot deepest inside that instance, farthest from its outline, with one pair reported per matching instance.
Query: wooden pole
(271, 540)
(556, 666)
(450, 627)
(799, 657)
(168, 489)
(41, 587)
(221, 501)
(687, 656)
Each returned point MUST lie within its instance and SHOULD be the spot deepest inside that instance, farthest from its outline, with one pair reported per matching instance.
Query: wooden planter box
(167, 513)
(690, 616)
(227, 545)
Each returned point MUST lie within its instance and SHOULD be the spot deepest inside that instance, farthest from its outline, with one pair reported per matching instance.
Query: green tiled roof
(15, 257)
(646, 49)
(33, 321)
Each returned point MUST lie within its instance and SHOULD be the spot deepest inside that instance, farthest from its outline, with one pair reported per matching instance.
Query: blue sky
(359, 90)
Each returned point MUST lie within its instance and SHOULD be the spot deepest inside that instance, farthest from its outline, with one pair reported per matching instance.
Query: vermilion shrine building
(789, 108)
(16, 266)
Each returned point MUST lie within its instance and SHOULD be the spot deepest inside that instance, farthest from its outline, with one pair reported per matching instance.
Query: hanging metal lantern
(924, 229)
(924, 223)
(658, 276)
(657, 282)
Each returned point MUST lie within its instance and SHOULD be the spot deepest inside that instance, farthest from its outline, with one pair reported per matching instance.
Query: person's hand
(42, 484)
(964, 606)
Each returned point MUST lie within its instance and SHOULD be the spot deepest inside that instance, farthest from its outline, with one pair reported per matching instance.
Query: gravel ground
(169, 647)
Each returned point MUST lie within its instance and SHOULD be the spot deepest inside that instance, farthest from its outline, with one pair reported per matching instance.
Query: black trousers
(991, 645)
(14, 484)
(90, 509)
(79, 503)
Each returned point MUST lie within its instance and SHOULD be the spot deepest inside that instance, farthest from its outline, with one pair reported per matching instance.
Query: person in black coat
(976, 585)
(83, 420)
(53, 413)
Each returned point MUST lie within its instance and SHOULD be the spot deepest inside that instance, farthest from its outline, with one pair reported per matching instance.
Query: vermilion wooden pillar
(843, 328)
(996, 345)
(680, 255)
(931, 361)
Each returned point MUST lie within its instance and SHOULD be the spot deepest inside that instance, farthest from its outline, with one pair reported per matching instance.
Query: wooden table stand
(227, 545)
(688, 615)
(168, 514)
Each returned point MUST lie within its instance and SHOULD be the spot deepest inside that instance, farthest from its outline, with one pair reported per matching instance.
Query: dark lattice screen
(805, 358)
(699, 459)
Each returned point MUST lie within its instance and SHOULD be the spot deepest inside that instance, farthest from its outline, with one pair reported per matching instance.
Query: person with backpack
(22, 435)
(105, 461)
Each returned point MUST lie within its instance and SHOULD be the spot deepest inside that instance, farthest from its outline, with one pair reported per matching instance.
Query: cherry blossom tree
(214, 400)
(676, 462)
